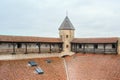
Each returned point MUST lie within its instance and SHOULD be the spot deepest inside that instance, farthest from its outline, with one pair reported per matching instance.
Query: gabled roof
(66, 24)
(4, 38)
(95, 40)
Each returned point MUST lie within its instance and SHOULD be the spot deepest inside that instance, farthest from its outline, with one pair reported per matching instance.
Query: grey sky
(91, 18)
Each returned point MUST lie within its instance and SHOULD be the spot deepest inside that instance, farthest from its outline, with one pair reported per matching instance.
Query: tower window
(66, 36)
(67, 46)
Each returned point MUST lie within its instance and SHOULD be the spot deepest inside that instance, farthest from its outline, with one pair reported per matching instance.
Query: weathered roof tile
(95, 40)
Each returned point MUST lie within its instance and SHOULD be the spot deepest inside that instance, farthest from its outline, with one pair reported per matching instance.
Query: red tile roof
(93, 67)
(95, 40)
(20, 70)
(4, 38)
(78, 67)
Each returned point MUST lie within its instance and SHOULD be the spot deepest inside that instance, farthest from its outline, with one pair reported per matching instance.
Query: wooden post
(26, 48)
(84, 48)
(50, 47)
(39, 47)
(13, 48)
(104, 48)
(116, 47)
(94, 48)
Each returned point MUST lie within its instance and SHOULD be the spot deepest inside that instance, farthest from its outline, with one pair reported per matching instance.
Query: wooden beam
(84, 48)
(50, 47)
(13, 48)
(71, 47)
(104, 48)
(116, 47)
(39, 47)
(26, 48)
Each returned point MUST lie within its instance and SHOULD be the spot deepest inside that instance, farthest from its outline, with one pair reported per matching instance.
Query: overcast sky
(91, 18)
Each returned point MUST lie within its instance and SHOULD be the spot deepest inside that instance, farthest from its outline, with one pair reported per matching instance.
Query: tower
(66, 33)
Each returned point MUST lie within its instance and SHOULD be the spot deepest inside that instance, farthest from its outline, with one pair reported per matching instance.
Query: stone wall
(66, 36)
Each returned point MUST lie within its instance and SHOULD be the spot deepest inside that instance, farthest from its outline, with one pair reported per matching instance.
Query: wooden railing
(29, 50)
(96, 50)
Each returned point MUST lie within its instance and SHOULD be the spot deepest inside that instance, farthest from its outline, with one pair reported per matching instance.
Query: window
(32, 63)
(96, 46)
(113, 46)
(66, 36)
(39, 70)
(67, 46)
(80, 46)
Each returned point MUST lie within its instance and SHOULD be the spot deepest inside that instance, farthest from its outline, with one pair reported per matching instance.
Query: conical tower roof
(66, 24)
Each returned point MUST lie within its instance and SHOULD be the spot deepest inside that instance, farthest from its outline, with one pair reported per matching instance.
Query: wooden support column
(50, 47)
(104, 48)
(61, 47)
(39, 47)
(94, 48)
(116, 47)
(13, 48)
(83, 48)
(26, 48)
